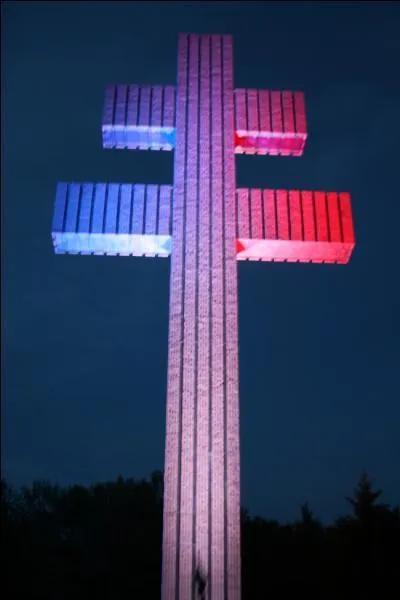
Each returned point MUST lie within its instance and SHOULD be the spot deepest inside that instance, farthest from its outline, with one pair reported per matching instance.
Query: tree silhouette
(363, 503)
(104, 541)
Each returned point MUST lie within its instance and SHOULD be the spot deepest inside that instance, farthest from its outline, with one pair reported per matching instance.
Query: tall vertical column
(218, 381)
(202, 487)
(203, 484)
(170, 589)
(231, 341)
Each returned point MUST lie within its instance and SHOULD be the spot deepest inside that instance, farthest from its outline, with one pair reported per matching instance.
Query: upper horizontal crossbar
(143, 117)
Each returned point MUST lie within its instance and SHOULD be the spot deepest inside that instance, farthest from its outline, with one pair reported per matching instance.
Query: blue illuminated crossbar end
(112, 219)
(111, 244)
(136, 138)
(139, 117)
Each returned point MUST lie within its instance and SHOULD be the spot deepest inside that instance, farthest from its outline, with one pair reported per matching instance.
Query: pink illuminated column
(202, 482)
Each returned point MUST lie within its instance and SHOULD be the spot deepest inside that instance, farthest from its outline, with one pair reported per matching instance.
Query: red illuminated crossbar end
(294, 226)
(270, 122)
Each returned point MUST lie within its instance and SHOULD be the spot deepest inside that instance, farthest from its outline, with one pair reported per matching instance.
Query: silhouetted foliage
(104, 542)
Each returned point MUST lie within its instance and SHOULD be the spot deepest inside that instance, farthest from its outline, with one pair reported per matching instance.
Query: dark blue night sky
(85, 338)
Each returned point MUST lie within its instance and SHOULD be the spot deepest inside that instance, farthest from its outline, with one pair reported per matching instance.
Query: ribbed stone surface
(270, 122)
(112, 219)
(202, 484)
(211, 226)
(294, 226)
(139, 117)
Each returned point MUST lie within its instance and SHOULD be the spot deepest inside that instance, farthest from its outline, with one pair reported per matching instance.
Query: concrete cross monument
(206, 225)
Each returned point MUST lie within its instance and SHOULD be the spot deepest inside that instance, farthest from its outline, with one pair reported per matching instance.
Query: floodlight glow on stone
(206, 225)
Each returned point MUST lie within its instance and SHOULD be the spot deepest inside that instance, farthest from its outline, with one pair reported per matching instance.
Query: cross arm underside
(112, 219)
(294, 226)
(143, 118)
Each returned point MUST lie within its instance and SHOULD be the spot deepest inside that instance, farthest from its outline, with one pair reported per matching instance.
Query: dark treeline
(104, 542)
